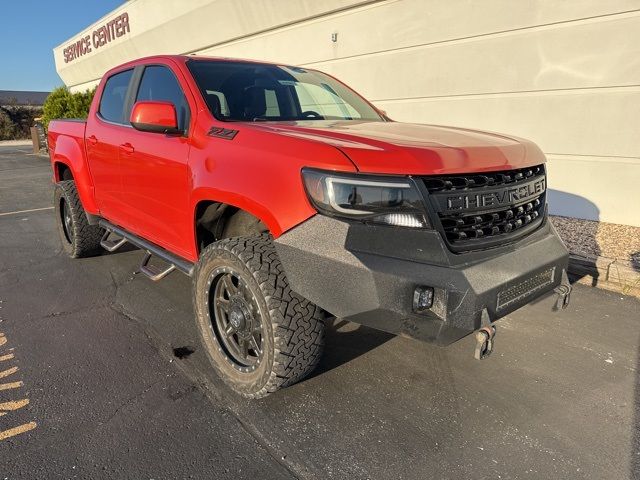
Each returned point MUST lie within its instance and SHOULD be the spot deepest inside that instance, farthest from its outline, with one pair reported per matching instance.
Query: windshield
(252, 92)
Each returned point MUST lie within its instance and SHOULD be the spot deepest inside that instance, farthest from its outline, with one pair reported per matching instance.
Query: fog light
(422, 299)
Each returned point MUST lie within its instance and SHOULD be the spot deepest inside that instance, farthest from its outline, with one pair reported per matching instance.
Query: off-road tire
(81, 239)
(293, 327)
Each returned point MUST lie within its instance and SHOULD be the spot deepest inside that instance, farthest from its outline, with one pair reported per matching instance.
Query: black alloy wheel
(67, 222)
(236, 319)
(259, 335)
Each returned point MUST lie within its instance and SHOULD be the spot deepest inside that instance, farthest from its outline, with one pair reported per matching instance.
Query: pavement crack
(155, 340)
(131, 400)
(66, 313)
(201, 381)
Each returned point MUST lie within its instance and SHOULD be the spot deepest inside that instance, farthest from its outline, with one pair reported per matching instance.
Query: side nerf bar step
(111, 245)
(174, 261)
(153, 272)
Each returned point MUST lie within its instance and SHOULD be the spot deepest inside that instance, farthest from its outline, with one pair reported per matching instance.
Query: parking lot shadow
(346, 341)
(580, 239)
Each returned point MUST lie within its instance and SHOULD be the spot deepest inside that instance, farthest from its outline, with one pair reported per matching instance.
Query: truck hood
(414, 149)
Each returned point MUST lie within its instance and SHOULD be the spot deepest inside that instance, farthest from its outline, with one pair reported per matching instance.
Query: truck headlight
(387, 200)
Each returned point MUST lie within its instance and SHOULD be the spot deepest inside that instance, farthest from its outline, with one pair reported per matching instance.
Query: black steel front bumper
(367, 274)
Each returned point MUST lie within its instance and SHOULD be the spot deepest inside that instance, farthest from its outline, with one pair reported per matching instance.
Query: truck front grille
(480, 210)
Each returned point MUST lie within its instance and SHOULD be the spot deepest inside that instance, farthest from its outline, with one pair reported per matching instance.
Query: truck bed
(73, 128)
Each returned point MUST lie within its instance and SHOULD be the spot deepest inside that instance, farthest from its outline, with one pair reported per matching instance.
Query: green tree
(61, 103)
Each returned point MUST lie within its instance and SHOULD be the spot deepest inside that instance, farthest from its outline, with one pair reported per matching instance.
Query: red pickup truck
(290, 198)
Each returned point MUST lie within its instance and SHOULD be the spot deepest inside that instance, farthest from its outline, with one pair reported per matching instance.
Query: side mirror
(155, 117)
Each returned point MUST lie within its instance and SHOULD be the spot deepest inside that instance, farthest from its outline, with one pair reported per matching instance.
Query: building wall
(564, 73)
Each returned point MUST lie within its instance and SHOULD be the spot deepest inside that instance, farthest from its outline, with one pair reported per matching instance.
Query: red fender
(69, 150)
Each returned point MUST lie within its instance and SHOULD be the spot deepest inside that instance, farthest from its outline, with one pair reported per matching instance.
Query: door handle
(127, 148)
(92, 140)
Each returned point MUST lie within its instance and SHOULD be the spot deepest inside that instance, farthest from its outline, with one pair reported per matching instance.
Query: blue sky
(29, 29)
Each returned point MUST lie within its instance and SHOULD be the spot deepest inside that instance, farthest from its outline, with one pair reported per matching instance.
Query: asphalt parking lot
(97, 380)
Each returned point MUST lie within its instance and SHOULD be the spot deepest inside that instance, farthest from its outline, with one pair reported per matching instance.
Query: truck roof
(184, 58)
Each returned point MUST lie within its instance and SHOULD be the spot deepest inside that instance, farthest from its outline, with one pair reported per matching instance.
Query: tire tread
(86, 238)
(298, 326)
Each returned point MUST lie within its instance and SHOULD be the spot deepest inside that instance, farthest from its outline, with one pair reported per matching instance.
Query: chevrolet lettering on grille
(490, 199)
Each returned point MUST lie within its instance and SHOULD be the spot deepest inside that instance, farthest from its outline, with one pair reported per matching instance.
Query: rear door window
(114, 97)
(160, 84)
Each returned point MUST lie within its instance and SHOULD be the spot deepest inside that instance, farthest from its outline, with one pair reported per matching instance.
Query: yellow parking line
(12, 432)
(8, 372)
(15, 405)
(12, 405)
(7, 386)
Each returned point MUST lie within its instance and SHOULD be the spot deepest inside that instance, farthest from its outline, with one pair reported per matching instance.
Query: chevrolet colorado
(288, 197)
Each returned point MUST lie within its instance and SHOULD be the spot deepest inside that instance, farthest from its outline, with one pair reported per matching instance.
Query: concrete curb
(607, 273)
(15, 143)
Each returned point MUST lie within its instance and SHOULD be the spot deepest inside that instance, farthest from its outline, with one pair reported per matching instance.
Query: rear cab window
(114, 96)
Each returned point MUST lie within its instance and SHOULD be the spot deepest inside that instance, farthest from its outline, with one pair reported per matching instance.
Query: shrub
(16, 120)
(23, 117)
(8, 129)
(61, 103)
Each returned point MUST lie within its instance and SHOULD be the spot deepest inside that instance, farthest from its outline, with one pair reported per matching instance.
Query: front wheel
(259, 335)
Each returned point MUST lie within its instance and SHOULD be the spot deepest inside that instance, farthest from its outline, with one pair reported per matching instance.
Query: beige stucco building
(564, 73)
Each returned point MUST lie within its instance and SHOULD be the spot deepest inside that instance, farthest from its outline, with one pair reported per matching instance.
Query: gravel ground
(620, 242)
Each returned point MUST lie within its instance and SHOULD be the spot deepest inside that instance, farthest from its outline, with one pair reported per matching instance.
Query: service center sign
(111, 30)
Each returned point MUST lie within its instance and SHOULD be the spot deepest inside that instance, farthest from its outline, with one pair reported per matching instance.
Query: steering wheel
(312, 114)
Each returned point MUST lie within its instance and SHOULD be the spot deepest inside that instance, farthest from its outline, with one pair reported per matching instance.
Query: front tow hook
(563, 291)
(484, 342)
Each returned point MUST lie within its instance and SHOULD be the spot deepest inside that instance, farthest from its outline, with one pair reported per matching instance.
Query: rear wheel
(259, 335)
(78, 238)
